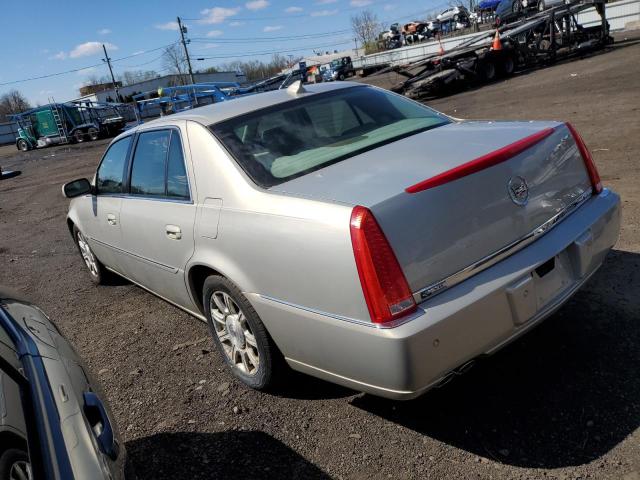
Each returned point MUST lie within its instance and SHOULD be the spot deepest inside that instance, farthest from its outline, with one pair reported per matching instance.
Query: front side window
(148, 170)
(111, 170)
(292, 139)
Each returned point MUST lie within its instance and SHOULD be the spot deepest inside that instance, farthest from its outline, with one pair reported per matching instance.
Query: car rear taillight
(385, 288)
(596, 183)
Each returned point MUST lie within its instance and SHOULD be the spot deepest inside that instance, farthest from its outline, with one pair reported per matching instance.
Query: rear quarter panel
(290, 249)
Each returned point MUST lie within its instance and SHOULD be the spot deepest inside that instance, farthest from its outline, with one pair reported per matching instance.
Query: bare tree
(12, 102)
(366, 28)
(255, 69)
(130, 77)
(173, 59)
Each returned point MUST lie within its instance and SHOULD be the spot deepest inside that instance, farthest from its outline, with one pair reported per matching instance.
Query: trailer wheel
(507, 66)
(487, 71)
(22, 145)
(79, 136)
(93, 133)
(341, 77)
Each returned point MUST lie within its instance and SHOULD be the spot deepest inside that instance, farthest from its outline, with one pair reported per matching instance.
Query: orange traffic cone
(497, 44)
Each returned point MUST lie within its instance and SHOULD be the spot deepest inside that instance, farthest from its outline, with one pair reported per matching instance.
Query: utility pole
(113, 79)
(356, 42)
(183, 30)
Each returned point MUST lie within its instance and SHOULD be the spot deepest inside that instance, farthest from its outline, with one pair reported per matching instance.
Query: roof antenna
(296, 88)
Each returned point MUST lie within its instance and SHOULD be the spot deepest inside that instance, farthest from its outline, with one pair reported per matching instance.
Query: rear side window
(158, 168)
(148, 170)
(111, 170)
(177, 185)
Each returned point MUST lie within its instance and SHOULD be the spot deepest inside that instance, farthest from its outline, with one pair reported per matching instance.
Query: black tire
(22, 145)
(79, 136)
(516, 6)
(93, 134)
(341, 77)
(12, 458)
(487, 71)
(100, 273)
(507, 66)
(271, 364)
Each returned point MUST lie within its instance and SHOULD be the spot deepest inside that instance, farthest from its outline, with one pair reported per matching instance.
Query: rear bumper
(475, 317)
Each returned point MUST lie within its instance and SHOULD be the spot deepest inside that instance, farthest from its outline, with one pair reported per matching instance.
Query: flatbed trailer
(70, 122)
(539, 39)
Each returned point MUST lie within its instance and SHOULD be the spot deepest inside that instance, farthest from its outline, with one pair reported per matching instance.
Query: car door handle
(111, 219)
(100, 425)
(173, 232)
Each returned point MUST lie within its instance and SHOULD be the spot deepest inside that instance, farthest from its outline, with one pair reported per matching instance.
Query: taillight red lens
(385, 288)
(594, 176)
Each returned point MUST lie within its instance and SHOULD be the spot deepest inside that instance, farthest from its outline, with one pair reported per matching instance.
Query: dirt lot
(563, 402)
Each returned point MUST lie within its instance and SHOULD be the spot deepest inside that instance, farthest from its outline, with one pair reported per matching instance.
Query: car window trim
(163, 198)
(124, 168)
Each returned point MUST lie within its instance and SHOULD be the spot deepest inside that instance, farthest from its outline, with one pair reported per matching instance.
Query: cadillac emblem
(518, 191)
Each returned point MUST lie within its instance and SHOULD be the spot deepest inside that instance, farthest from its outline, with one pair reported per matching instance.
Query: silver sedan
(348, 232)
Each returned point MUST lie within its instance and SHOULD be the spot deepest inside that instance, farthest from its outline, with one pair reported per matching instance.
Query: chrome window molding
(493, 258)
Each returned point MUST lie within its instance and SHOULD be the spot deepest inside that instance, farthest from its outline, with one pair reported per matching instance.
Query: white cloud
(214, 33)
(323, 13)
(210, 45)
(138, 52)
(257, 4)
(45, 92)
(218, 14)
(167, 26)
(58, 56)
(104, 31)
(272, 28)
(325, 2)
(360, 3)
(389, 6)
(45, 50)
(89, 48)
(293, 9)
(236, 24)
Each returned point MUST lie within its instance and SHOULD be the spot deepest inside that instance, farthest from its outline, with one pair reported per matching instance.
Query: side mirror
(76, 188)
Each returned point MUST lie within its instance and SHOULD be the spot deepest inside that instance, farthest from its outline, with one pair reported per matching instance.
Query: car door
(103, 225)
(157, 216)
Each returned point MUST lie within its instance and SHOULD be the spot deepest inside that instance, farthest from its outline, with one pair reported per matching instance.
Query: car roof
(218, 112)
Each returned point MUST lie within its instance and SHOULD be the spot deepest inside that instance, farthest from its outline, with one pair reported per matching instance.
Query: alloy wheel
(20, 471)
(87, 255)
(234, 333)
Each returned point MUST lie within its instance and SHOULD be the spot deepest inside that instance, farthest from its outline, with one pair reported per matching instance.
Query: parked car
(347, 230)
(453, 13)
(509, 10)
(54, 422)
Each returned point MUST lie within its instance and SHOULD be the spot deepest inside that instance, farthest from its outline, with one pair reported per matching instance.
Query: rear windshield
(292, 139)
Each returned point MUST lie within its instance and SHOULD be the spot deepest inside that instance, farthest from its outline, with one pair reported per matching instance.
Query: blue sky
(64, 35)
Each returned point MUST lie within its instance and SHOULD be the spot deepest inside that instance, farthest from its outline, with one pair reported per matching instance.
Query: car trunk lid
(445, 228)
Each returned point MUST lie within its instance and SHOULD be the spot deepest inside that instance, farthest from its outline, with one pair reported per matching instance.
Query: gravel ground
(562, 402)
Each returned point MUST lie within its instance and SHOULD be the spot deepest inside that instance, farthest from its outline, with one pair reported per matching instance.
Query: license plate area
(535, 291)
